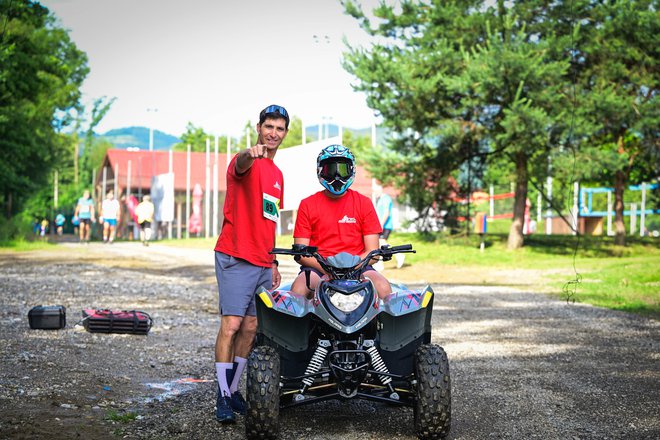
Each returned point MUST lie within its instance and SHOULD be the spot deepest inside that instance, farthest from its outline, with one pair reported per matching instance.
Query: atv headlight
(347, 303)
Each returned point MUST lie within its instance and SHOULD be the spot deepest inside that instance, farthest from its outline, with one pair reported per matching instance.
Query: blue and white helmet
(335, 168)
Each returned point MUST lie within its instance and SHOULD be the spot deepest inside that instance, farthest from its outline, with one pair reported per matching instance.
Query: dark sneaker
(238, 403)
(223, 411)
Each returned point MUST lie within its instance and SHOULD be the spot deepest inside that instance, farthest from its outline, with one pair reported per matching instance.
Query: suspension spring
(316, 362)
(379, 365)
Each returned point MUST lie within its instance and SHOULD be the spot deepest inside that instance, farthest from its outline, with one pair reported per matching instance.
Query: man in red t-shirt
(336, 220)
(254, 198)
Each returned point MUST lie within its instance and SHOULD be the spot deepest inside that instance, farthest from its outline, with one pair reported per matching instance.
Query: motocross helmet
(335, 168)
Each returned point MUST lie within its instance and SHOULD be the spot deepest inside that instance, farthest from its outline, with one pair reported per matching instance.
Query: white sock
(240, 366)
(221, 369)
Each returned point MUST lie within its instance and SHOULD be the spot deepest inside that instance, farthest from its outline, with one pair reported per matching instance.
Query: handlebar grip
(403, 247)
(279, 251)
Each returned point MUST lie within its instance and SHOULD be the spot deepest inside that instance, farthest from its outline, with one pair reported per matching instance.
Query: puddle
(174, 388)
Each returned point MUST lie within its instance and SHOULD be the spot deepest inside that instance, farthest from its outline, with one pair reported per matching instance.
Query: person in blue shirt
(384, 209)
(85, 215)
(59, 222)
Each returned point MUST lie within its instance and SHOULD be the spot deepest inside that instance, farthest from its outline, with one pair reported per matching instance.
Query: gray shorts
(238, 281)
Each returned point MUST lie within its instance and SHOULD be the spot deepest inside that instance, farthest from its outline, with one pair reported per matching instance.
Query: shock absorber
(379, 365)
(315, 363)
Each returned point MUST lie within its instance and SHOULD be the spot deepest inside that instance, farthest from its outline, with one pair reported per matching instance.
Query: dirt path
(523, 365)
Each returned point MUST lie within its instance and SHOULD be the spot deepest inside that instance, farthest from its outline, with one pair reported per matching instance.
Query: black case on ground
(47, 317)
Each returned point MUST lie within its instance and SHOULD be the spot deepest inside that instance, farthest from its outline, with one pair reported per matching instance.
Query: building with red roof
(132, 173)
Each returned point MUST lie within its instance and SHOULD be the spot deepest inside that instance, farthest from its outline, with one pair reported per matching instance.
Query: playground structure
(589, 214)
(596, 215)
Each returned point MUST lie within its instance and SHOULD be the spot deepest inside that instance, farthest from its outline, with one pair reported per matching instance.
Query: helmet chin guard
(335, 168)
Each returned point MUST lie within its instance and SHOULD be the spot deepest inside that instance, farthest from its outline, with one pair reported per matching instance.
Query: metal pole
(492, 201)
(55, 189)
(105, 179)
(609, 213)
(576, 212)
(633, 218)
(215, 189)
(128, 180)
(548, 212)
(642, 214)
(188, 192)
(228, 150)
(116, 186)
(207, 199)
(171, 171)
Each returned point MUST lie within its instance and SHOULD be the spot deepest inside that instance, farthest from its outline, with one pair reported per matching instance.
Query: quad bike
(345, 343)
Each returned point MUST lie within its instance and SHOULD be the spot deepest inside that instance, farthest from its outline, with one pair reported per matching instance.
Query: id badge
(271, 207)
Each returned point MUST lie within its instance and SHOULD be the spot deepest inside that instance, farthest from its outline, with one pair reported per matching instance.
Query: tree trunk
(516, 231)
(619, 225)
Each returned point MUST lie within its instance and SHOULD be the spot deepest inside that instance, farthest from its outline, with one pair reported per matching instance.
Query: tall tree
(619, 82)
(457, 82)
(406, 76)
(41, 71)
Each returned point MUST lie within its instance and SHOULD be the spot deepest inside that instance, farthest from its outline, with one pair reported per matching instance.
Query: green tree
(41, 71)
(195, 137)
(617, 75)
(458, 83)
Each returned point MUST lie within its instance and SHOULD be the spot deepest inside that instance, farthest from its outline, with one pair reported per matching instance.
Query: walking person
(254, 197)
(145, 216)
(110, 212)
(384, 209)
(84, 214)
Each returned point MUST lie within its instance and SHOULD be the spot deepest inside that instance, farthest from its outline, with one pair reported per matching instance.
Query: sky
(216, 63)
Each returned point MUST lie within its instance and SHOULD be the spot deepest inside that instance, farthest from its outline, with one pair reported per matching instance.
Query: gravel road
(523, 365)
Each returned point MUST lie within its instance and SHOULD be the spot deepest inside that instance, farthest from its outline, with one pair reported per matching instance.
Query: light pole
(151, 128)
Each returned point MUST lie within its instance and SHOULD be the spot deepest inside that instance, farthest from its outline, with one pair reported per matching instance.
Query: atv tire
(432, 407)
(263, 394)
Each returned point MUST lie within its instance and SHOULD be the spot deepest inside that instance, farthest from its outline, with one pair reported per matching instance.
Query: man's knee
(230, 325)
(249, 325)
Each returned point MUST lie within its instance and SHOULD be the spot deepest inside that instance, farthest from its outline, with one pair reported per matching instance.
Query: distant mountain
(124, 138)
(130, 137)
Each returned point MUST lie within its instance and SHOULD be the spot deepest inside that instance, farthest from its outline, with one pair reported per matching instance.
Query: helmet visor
(332, 169)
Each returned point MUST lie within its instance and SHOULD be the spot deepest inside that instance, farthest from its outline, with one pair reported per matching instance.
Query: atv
(346, 343)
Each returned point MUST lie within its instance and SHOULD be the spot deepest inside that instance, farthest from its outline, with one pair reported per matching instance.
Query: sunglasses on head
(276, 109)
(331, 169)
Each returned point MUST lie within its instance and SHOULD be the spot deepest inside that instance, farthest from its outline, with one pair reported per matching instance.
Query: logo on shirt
(347, 219)
(277, 185)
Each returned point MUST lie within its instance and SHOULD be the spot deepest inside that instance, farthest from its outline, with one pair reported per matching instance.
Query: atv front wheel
(263, 394)
(432, 408)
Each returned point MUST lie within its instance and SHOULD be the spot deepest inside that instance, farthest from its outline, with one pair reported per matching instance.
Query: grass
(22, 245)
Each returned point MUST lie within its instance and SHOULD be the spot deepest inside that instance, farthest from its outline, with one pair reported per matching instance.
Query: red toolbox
(117, 321)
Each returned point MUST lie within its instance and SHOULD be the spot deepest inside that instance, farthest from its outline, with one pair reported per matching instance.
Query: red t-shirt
(252, 206)
(337, 225)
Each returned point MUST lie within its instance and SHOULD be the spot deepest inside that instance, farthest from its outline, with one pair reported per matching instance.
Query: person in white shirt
(110, 213)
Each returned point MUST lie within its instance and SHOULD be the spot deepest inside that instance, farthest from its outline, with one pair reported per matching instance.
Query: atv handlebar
(385, 252)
